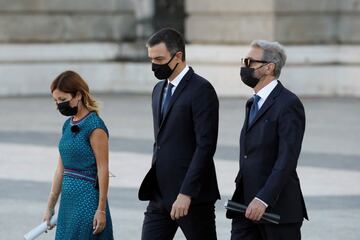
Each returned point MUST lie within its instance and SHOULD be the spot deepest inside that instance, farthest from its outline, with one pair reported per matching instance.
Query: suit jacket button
(245, 156)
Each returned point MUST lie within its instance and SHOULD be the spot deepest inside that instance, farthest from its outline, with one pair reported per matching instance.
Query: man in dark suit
(270, 144)
(181, 183)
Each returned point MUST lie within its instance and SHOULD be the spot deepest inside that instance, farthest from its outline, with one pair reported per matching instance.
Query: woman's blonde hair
(71, 82)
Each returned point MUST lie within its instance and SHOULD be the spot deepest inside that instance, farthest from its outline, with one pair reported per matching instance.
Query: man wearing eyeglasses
(270, 144)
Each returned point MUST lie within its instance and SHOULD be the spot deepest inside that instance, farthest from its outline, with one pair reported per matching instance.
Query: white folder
(40, 229)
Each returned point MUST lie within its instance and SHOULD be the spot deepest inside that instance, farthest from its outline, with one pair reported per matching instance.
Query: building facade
(105, 42)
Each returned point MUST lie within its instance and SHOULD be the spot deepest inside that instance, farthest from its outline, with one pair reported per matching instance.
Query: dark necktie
(166, 101)
(254, 109)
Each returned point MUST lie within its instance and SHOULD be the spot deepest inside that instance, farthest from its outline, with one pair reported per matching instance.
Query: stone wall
(322, 38)
(105, 42)
(66, 21)
(288, 21)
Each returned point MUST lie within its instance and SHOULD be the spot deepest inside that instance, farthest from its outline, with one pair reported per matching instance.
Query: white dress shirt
(174, 82)
(264, 94)
(178, 78)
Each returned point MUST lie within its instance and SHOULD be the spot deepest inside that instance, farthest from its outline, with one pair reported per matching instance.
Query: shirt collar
(265, 91)
(180, 76)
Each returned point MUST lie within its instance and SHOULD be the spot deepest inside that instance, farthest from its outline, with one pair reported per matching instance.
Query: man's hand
(180, 207)
(255, 210)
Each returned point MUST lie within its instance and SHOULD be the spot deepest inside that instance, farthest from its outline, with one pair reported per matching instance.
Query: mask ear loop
(171, 59)
(172, 70)
(261, 67)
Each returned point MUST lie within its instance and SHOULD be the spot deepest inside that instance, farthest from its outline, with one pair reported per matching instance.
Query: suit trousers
(197, 225)
(244, 229)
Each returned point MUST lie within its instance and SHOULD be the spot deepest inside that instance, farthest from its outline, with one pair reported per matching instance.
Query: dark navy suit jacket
(185, 143)
(269, 151)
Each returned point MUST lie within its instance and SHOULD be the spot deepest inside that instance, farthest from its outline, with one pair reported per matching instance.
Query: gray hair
(273, 52)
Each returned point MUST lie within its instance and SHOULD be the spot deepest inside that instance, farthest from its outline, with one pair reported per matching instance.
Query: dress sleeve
(98, 123)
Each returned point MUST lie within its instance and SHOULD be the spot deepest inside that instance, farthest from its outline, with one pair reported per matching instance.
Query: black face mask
(66, 110)
(163, 71)
(247, 76)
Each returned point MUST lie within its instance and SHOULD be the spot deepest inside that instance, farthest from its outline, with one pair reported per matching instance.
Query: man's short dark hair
(172, 39)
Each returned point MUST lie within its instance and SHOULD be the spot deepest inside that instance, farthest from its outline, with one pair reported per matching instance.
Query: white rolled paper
(40, 229)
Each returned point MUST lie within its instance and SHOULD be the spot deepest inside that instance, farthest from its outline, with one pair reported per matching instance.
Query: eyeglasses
(248, 61)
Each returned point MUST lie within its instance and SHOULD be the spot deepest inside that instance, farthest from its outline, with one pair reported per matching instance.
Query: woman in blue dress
(82, 173)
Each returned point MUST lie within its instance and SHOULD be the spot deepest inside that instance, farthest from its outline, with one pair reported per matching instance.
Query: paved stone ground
(329, 167)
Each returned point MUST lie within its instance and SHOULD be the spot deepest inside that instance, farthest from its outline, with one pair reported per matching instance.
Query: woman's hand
(47, 217)
(99, 222)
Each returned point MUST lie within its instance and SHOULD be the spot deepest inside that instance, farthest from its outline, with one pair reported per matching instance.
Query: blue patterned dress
(80, 195)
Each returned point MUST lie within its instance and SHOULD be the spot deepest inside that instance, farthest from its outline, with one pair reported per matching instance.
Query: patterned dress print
(79, 194)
